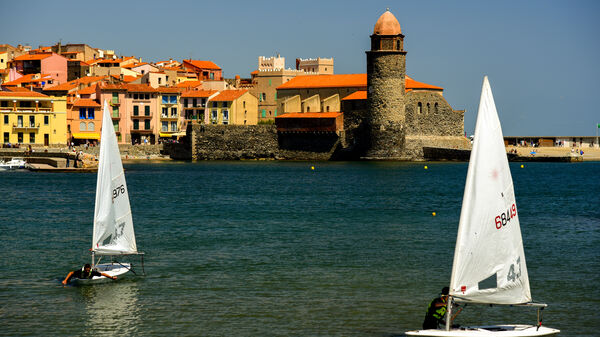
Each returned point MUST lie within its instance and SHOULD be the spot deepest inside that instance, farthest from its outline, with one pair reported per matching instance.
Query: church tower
(386, 72)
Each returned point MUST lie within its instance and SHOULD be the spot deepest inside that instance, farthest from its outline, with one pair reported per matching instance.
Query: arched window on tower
(419, 108)
(436, 108)
(398, 45)
(428, 108)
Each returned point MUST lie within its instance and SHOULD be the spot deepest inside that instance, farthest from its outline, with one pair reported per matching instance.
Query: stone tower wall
(386, 71)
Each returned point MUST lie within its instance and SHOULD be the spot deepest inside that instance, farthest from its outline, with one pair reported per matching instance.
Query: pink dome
(387, 25)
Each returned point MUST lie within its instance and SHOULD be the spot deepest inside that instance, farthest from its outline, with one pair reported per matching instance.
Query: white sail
(113, 225)
(489, 248)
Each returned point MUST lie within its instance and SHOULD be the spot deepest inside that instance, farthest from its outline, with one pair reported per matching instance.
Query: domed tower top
(387, 24)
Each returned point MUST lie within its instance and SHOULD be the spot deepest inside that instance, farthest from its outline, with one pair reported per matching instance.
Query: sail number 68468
(504, 218)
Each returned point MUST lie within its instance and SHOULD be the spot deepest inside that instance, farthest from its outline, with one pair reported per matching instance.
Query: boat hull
(515, 330)
(112, 269)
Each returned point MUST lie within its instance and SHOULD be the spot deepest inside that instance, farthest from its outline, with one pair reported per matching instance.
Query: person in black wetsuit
(436, 311)
(86, 273)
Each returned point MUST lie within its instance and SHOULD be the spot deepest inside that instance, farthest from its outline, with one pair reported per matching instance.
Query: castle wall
(435, 116)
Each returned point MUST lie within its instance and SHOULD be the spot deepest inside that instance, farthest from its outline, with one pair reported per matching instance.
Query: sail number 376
(504, 218)
(119, 190)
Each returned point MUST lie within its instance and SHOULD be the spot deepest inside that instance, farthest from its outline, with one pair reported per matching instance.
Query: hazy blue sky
(541, 56)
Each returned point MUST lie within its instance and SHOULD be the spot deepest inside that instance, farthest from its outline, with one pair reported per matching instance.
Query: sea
(273, 248)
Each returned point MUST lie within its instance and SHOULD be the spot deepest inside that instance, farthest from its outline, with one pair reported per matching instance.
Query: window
(91, 126)
(275, 112)
(269, 82)
(275, 95)
(173, 99)
(46, 120)
(214, 104)
(116, 125)
(82, 114)
(146, 96)
(32, 137)
(159, 80)
(5, 119)
(185, 102)
(225, 117)
(115, 112)
(213, 116)
(165, 112)
(224, 104)
(32, 121)
(136, 124)
(4, 104)
(82, 126)
(7, 137)
(20, 137)
(147, 110)
(264, 113)
(194, 102)
(147, 124)
(165, 99)
(173, 126)
(91, 114)
(419, 107)
(435, 108)
(135, 96)
(327, 108)
(244, 104)
(428, 108)
(173, 112)
(136, 110)
(20, 121)
(165, 127)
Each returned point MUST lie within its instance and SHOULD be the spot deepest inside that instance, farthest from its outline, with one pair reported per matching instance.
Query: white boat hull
(516, 330)
(112, 269)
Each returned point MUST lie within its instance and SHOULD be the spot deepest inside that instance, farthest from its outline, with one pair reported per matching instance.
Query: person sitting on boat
(436, 311)
(86, 273)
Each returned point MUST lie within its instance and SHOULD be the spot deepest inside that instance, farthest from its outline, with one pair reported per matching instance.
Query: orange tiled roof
(345, 80)
(188, 84)
(64, 86)
(412, 84)
(88, 90)
(74, 83)
(126, 78)
(31, 57)
(228, 95)
(199, 93)
(310, 115)
(326, 81)
(361, 94)
(139, 88)
(111, 86)
(29, 78)
(17, 89)
(86, 102)
(21, 94)
(170, 90)
(203, 64)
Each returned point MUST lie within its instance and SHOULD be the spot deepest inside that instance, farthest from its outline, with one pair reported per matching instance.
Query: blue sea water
(279, 249)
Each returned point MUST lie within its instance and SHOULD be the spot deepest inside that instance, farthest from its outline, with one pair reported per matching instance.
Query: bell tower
(386, 72)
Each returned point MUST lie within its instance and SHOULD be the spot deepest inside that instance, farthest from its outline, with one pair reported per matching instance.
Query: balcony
(115, 101)
(21, 127)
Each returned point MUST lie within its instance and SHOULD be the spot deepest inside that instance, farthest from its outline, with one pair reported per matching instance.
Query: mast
(449, 313)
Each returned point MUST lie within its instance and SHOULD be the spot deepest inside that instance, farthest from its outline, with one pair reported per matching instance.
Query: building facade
(32, 118)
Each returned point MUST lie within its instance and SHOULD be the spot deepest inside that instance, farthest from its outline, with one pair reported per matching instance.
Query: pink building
(134, 111)
(43, 63)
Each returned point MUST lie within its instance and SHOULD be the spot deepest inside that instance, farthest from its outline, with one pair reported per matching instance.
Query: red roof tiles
(199, 93)
(203, 64)
(228, 95)
(86, 102)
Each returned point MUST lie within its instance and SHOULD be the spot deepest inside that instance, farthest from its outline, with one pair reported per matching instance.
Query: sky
(541, 56)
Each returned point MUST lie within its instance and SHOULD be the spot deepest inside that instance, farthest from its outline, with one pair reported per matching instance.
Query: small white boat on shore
(13, 164)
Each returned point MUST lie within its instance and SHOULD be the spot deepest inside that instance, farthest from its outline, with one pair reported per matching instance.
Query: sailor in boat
(86, 273)
(434, 318)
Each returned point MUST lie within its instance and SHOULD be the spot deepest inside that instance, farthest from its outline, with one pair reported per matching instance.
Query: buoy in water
(433, 213)
(425, 167)
(522, 165)
(312, 168)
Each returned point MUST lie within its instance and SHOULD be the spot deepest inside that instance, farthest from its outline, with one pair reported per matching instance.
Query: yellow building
(237, 107)
(29, 117)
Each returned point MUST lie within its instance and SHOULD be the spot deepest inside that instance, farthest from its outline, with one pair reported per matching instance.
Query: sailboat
(113, 233)
(489, 261)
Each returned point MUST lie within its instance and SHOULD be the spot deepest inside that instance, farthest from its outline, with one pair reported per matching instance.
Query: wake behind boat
(489, 261)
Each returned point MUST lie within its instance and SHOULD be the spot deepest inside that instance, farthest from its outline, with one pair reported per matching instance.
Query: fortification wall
(414, 144)
(435, 117)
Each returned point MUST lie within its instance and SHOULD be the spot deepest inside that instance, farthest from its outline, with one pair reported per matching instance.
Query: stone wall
(414, 145)
(233, 142)
(436, 118)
